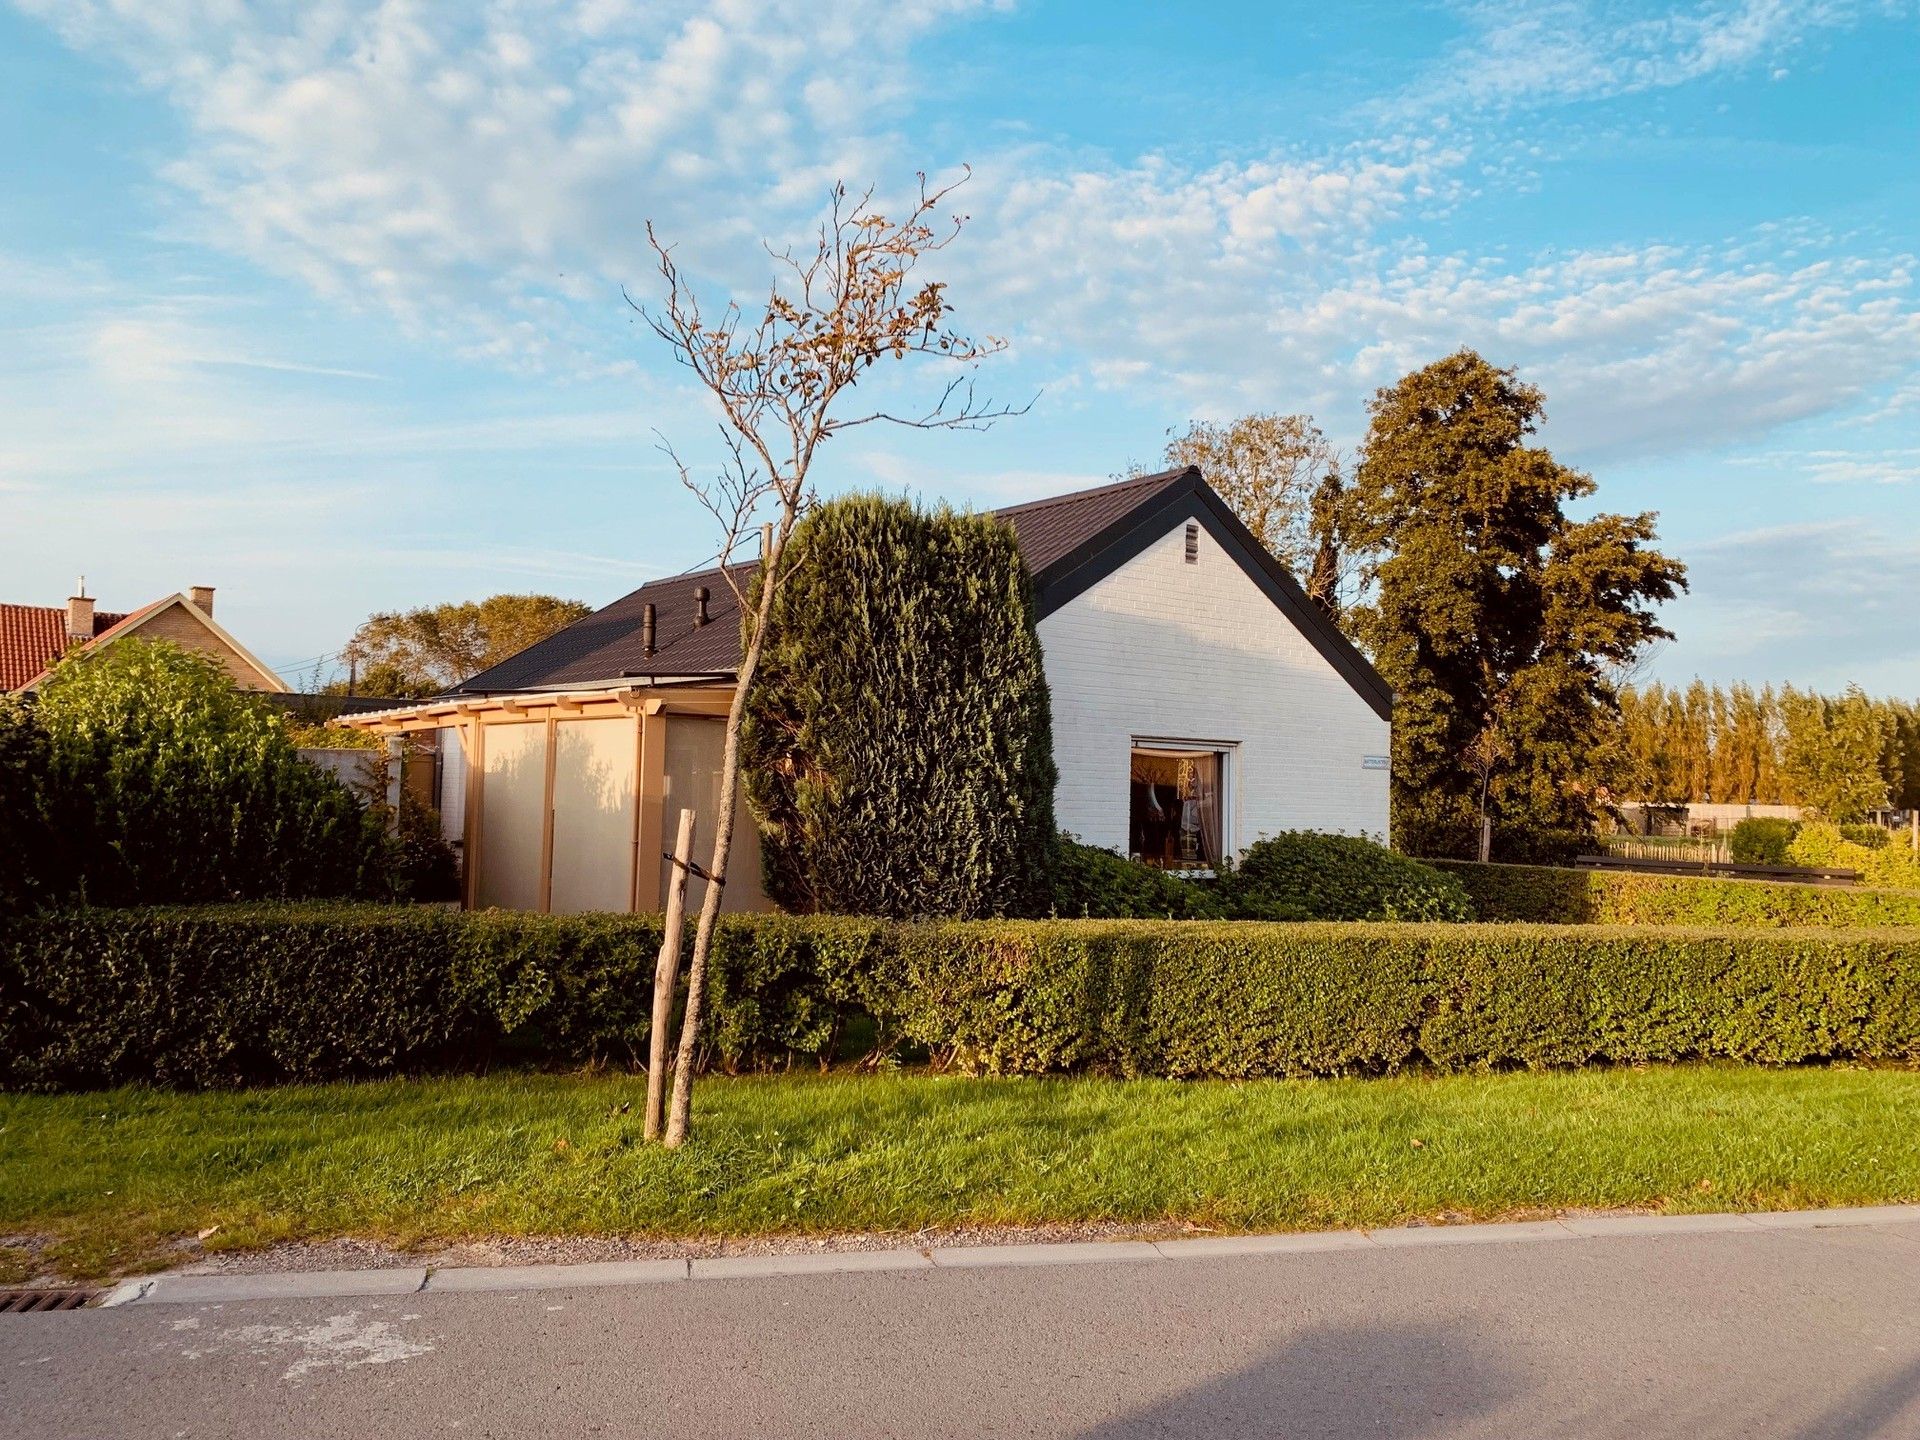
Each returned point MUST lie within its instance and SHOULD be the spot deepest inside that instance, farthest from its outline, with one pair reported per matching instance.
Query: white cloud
(1899, 466)
(485, 172)
(1158, 275)
(1529, 52)
(471, 168)
(1826, 603)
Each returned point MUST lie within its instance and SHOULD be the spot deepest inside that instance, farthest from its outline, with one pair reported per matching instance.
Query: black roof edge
(1100, 555)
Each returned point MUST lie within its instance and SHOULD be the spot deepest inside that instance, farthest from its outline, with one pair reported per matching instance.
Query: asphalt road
(1799, 1333)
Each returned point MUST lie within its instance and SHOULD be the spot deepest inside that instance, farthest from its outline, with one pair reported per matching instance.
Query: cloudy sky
(321, 302)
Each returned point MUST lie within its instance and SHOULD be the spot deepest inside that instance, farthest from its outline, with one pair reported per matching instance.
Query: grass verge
(113, 1178)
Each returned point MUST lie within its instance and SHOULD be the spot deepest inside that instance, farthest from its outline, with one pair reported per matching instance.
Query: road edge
(315, 1284)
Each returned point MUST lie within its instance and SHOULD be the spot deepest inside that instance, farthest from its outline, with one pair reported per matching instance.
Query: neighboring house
(32, 637)
(1200, 700)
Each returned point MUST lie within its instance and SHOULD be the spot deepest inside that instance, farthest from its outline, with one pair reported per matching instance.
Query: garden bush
(1826, 846)
(1762, 840)
(26, 839)
(1088, 883)
(234, 995)
(898, 747)
(1541, 895)
(165, 783)
(1304, 875)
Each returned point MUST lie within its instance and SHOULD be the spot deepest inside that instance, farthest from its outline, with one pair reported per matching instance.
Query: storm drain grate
(22, 1302)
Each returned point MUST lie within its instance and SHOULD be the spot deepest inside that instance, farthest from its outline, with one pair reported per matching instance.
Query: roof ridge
(1159, 477)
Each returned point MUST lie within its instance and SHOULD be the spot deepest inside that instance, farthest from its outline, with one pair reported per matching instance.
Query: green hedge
(1244, 1000)
(243, 995)
(1540, 895)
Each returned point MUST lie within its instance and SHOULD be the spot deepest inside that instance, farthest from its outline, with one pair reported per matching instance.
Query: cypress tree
(898, 742)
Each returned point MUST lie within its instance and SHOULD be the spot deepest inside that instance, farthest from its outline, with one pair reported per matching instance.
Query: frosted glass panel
(695, 747)
(593, 770)
(513, 792)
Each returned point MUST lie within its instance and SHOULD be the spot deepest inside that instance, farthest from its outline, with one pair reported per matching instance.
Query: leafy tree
(434, 648)
(898, 745)
(25, 837)
(1835, 750)
(164, 783)
(1282, 478)
(1486, 594)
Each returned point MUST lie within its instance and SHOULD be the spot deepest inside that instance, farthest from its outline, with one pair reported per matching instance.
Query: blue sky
(320, 303)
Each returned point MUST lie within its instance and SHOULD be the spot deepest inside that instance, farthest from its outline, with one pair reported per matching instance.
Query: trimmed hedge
(242, 995)
(1540, 895)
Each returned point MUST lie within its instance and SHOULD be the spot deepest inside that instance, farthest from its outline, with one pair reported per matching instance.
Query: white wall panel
(593, 809)
(513, 789)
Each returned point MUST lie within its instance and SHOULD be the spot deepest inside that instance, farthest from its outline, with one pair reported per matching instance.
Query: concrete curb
(328, 1284)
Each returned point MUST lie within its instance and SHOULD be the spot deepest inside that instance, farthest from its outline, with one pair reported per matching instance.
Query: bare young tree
(779, 377)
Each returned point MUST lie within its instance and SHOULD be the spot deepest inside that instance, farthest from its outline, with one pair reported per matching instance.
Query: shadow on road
(1870, 1410)
(1398, 1380)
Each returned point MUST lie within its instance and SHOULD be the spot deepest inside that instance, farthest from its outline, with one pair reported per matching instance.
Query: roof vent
(646, 628)
(1193, 542)
(700, 616)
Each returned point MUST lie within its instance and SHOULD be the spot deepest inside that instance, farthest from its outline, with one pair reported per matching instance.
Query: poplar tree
(1490, 603)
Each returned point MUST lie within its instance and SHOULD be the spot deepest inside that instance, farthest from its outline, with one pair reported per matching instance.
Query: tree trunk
(666, 974)
(680, 1113)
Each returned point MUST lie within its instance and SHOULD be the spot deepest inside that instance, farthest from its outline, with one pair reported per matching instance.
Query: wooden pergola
(649, 708)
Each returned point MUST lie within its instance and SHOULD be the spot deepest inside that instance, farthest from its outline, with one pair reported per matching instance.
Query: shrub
(229, 995)
(1762, 840)
(25, 837)
(898, 747)
(1873, 837)
(166, 783)
(1538, 895)
(1826, 846)
(1090, 883)
(1302, 875)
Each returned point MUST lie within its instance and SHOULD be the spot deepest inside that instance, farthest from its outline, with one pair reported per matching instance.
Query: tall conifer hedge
(898, 745)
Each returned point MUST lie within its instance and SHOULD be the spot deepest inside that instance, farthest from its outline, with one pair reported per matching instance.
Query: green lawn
(114, 1176)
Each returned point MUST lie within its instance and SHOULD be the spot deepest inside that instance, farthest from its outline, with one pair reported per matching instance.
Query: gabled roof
(32, 637)
(1069, 543)
(108, 628)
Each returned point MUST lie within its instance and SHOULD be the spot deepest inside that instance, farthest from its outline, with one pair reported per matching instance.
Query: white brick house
(1176, 638)
(1200, 701)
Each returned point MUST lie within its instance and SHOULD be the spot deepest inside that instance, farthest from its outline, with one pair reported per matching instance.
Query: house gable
(1180, 646)
(179, 620)
(1191, 498)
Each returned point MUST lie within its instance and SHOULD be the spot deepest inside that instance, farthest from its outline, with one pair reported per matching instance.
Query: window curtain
(1176, 819)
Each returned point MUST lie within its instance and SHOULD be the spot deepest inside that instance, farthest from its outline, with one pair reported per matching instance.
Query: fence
(1707, 850)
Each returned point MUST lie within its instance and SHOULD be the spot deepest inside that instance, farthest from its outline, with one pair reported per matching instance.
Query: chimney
(202, 597)
(700, 616)
(80, 614)
(646, 628)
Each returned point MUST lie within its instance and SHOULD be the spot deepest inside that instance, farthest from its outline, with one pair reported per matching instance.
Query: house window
(1177, 807)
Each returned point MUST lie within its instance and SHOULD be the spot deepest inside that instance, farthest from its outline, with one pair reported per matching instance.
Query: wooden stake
(666, 974)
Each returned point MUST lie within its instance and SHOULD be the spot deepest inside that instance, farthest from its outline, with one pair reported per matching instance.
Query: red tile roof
(32, 637)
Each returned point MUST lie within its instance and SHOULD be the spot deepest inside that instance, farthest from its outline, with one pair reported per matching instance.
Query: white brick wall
(1174, 651)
